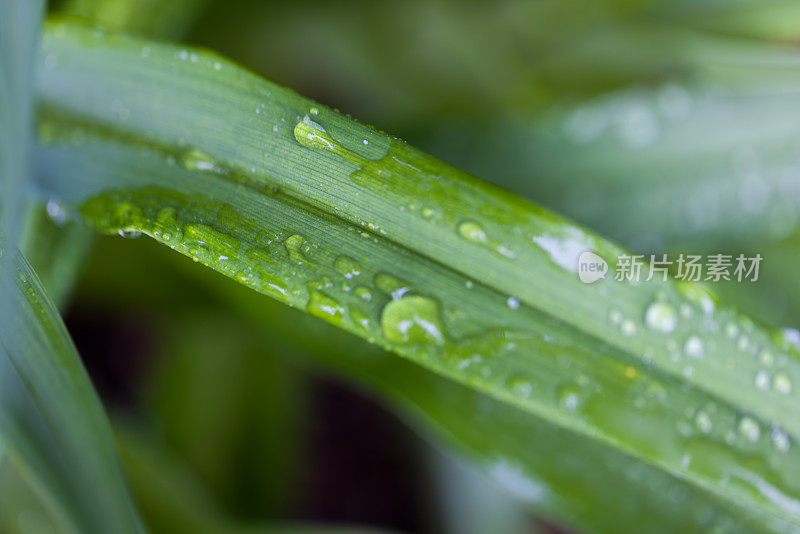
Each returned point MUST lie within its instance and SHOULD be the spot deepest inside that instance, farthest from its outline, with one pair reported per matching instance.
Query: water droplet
(347, 266)
(326, 307)
(521, 387)
(661, 317)
(782, 383)
(197, 160)
(472, 231)
(761, 380)
(731, 330)
(749, 429)
(628, 328)
(569, 397)
(766, 358)
(56, 211)
(513, 303)
(297, 247)
(615, 316)
(743, 343)
(780, 440)
(310, 134)
(412, 319)
(130, 234)
(703, 422)
(694, 347)
(364, 293)
(391, 285)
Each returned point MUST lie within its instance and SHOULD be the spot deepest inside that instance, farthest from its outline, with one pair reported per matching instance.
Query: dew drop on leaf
(749, 429)
(472, 231)
(762, 380)
(780, 440)
(703, 422)
(347, 266)
(130, 234)
(412, 319)
(197, 160)
(694, 347)
(782, 383)
(661, 317)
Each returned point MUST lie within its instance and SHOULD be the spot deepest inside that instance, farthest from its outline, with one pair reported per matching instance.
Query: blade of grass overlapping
(309, 207)
(56, 251)
(51, 420)
(51, 424)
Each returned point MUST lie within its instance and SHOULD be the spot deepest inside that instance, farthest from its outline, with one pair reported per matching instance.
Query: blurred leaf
(448, 271)
(56, 252)
(680, 169)
(177, 504)
(52, 427)
(51, 422)
(231, 409)
(153, 17)
(399, 64)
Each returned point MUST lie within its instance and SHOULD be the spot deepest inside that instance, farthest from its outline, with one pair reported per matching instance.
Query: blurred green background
(661, 124)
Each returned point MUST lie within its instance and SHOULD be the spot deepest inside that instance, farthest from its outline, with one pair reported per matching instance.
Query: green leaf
(176, 503)
(56, 251)
(466, 279)
(52, 426)
(51, 421)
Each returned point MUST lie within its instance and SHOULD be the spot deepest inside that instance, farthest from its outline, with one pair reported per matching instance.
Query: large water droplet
(310, 134)
(412, 319)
